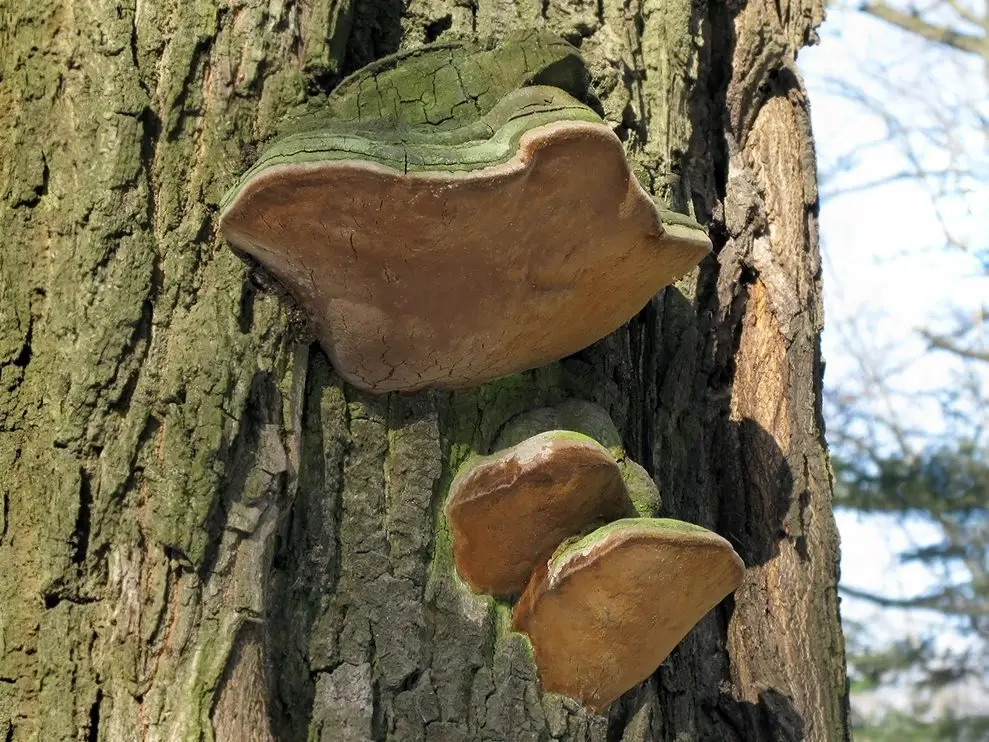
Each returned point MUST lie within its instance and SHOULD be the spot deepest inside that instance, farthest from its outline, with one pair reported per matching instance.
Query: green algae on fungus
(590, 419)
(577, 415)
(641, 488)
(447, 85)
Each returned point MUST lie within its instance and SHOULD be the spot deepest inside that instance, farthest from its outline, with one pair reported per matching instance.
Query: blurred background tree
(908, 421)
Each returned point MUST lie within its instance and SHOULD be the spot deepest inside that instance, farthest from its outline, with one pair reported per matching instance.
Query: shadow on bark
(754, 517)
(305, 565)
(376, 32)
(773, 717)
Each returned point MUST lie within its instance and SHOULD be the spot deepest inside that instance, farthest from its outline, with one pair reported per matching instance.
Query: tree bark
(206, 535)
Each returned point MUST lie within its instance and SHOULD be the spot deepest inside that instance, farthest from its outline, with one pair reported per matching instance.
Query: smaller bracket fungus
(577, 415)
(592, 420)
(509, 511)
(607, 609)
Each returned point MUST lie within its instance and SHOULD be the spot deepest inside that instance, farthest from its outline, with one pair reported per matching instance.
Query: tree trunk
(206, 535)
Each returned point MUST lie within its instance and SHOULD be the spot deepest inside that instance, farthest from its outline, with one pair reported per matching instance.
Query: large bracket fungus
(457, 214)
(605, 595)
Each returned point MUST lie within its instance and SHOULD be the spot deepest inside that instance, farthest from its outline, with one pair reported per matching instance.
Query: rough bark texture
(205, 535)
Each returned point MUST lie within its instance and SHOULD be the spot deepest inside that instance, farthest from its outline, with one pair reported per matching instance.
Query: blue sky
(887, 271)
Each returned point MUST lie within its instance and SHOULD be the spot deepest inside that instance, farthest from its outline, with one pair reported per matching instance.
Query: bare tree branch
(944, 602)
(897, 177)
(930, 31)
(943, 342)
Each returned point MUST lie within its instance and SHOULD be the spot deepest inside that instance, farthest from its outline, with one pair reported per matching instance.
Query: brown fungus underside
(509, 511)
(604, 612)
(450, 278)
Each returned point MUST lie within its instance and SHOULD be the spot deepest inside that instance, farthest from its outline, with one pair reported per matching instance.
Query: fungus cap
(606, 610)
(509, 511)
(440, 259)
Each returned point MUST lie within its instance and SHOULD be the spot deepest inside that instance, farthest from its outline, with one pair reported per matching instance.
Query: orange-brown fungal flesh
(605, 611)
(449, 279)
(508, 512)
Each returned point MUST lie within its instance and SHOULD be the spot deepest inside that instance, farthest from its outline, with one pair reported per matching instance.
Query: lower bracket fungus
(604, 596)
(509, 511)
(447, 243)
(607, 609)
